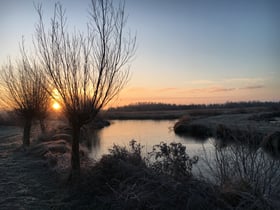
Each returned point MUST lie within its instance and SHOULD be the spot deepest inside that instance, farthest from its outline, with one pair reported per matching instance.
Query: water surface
(146, 132)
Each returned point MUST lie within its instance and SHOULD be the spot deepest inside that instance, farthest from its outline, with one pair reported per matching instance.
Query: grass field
(176, 114)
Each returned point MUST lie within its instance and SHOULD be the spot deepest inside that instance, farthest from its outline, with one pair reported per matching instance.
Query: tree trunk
(42, 125)
(75, 156)
(26, 132)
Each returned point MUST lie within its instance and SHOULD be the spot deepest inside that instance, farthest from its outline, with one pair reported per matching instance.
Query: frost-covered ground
(26, 181)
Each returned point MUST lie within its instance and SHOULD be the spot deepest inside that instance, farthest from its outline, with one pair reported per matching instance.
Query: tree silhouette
(86, 70)
(23, 89)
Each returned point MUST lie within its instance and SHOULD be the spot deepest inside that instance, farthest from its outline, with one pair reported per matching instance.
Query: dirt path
(25, 181)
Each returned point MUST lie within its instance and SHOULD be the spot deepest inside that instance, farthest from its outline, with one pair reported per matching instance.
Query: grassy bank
(228, 127)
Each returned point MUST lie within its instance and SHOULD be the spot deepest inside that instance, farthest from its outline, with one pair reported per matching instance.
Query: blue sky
(192, 51)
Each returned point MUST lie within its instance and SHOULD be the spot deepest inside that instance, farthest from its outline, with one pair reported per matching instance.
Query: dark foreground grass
(124, 180)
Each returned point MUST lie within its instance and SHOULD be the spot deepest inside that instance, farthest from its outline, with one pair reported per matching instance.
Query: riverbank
(261, 124)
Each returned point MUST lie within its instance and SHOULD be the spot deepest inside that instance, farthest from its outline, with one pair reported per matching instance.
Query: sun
(56, 106)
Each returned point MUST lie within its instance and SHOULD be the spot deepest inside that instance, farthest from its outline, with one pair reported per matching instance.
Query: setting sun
(56, 106)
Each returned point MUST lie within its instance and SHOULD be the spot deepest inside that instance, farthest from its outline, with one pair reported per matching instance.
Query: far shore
(177, 114)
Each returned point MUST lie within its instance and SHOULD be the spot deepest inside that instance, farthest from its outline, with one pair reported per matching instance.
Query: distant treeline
(147, 106)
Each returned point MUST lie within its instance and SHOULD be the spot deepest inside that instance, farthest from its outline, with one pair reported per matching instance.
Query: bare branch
(23, 89)
(87, 70)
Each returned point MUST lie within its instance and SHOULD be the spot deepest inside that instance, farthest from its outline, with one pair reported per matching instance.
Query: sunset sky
(191, 51)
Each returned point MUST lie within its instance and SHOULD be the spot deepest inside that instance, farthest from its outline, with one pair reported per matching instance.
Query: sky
(188, 51)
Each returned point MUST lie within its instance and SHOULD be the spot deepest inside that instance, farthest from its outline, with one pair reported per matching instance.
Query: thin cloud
(207, 90)
(212, 89)
(220, 89)
(242, 80)
(245, 80)
(252, 87)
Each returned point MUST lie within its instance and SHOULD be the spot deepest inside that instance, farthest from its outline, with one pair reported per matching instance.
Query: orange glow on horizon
(208, 94)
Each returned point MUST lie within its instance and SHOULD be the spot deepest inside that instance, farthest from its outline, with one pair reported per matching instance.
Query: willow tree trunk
(42, 125)
(75, 154)
(26, 132)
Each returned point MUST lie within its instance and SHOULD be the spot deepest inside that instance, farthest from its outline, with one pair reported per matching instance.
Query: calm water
(146, 132)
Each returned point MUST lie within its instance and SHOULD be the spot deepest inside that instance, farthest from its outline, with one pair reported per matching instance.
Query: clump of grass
(194, 130)
(172, 160)
(185, 127)
(132, 154)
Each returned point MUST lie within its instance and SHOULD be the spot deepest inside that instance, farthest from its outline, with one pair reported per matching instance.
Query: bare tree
(87, 70)
(23, 90)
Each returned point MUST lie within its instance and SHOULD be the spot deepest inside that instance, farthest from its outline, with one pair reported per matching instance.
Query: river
(146, 132)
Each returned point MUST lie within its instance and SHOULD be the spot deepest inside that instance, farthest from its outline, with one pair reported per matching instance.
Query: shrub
(122, 153)
(172, 159)
(122, 180)
(247, 177)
